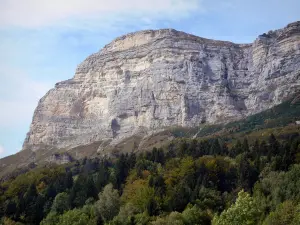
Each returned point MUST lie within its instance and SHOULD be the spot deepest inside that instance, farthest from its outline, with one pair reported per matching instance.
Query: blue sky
(42, 41)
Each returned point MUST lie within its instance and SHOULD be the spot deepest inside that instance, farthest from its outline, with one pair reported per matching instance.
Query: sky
(42, 41)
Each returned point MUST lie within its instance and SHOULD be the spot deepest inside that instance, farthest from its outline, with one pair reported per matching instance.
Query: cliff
(150, 80)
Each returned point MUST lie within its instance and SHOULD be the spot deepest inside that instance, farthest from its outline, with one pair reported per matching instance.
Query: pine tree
(215, 148)
(102, 177)
(78, 193)
(50, 192)
(10, 208)
(68, 181)
(263, 148)
(39, 209)
(30, 198)
(192, 149)
(91, 188)
(121, 169)
(236, 149)
(273, 147)
(225, 150)
(183, 148)
(255, 151)
(247, 174)
(245, 146)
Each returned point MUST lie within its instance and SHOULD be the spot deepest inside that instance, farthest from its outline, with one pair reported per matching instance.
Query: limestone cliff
(149, 80)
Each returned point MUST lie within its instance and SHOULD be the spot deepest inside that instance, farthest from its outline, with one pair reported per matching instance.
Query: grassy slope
(276, 118)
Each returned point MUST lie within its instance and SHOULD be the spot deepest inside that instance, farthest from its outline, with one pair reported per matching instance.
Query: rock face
(60, 158)
(149, 80)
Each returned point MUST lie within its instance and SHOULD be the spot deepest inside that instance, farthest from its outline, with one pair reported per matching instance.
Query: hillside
(245, 175)
(280, 120)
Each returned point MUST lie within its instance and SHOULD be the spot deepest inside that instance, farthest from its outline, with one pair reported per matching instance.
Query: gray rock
(150, 80)
(59, 158)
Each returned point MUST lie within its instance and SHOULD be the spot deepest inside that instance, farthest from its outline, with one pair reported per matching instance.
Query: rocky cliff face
(153, 79)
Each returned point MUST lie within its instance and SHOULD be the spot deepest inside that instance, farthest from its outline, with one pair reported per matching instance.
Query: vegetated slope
(280, 120)
(284, 114)
(188, 181)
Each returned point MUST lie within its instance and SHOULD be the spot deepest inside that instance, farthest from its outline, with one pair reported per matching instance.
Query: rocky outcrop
(149, 80)
(60, 158)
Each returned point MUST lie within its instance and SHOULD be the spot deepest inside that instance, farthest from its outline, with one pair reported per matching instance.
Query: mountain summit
(150, 80)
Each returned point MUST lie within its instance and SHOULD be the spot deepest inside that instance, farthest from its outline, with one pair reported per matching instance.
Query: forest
(189, 181)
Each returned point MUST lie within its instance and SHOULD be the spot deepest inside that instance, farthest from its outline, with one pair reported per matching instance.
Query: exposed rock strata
(152, 79)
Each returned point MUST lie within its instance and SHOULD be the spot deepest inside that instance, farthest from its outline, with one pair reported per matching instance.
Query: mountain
(149, 80)
(243, 172)
(281, 120)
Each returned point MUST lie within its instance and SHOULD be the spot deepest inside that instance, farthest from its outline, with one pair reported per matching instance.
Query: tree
(209, 199)
(39, 208)
(51, 219)
(75, 217)
(121, 168)
(50, 191)
(273, 146)
(245, 146)
(182, 148)
(263, 148)
(8, 221)
(247, 174)
(291, 184)
(255, 152)
(91, 188)
(179, 197)
(31, 212)
(79, 192)
(215, 148)
(126, 214)
(157, 181)
(174, 218)
(225, 150)
(101, 177)
(60, 203)
(10, 207)
(68, 182)
(245, 211)
(144, 200)
(109, 203)
(285, 214)
(193, 215)
(236, 149)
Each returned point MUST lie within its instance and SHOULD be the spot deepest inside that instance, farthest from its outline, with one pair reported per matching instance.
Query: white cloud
(36, 13)
(2, 150)
(19, 96)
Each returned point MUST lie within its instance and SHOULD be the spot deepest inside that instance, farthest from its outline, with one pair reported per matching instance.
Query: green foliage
(109, 203)
(75, 217)
(8, 221)
(245, 211)
(276, 187)
(209, 199)
(193, 215)
(174, 218)
(186, 182)
(126, 214)
(287, 213)
(141, 219)
(51, 219)
(22, 182)
(60, 203)
(83, 188)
